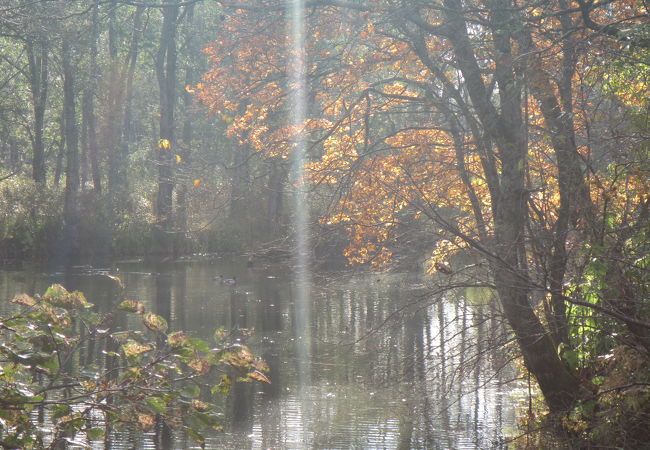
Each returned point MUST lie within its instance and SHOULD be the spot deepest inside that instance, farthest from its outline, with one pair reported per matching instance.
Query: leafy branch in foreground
(64, 366)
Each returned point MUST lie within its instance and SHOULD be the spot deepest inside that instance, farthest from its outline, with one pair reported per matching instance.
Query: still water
(383, 362)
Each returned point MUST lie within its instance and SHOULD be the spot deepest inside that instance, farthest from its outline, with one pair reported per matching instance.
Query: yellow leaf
(164, 144)
(200, 365)
(197, 182)
(132, 348)
(177, 339)
(88, 385)
(146, 421)
(155, 322)
(116, 279)
(179, 159)
(200, 405)
(24, 299)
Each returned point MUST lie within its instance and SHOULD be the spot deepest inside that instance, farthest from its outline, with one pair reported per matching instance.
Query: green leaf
(155, 323)
(56, 295)
(198, 437)
(220, 334)
(200, 345)
(190, 391)
(209, 420)
(52, 366)
(132, 306)
(78, 299)
(157, 405)
(598, 380)
(587, 408)
(91, 318)
(224, 386)
(571, 357)
(95, 434)
(121, 336)
(59, 411)
(186, 352)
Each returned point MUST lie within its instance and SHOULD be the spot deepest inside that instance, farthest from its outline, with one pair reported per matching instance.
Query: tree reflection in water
(391, 366)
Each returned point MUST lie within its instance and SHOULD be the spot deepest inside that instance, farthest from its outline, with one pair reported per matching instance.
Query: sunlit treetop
(390, 125)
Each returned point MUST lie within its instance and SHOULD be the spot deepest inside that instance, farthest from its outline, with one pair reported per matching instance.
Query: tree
(28, 24)
(166, 73)
(38, 73)
(454, 112)
(115, 54)
(89, 129)
(71, 214)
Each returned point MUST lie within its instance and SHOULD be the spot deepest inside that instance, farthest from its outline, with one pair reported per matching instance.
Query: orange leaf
(259, 376)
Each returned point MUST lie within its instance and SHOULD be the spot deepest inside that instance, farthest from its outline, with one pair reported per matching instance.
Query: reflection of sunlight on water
(389, 368)
(421, 377)
(297, 99)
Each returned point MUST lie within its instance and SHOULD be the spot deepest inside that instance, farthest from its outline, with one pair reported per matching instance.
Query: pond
(380, 363)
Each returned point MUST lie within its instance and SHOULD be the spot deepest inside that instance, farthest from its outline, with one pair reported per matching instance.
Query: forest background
(500, 144)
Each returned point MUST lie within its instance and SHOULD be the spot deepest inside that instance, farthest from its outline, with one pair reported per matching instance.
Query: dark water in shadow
(390, 366)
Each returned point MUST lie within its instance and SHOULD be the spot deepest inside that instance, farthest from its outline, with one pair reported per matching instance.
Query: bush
(134, 377)
(31, 219)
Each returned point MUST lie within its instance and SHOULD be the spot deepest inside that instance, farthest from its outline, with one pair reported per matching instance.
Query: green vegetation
(71, 371)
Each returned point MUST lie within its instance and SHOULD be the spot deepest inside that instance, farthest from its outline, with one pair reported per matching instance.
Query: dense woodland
(501, 143)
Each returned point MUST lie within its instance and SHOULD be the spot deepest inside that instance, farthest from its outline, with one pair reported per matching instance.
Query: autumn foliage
(511, 128)
(390, 126)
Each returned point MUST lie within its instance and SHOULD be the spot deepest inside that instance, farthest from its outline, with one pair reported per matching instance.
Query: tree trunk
(60, 154)
(572, 188)
(185, 148)
(127, 129)
(89, 106)
(91, 147)
(70, 240)
(166, 73)
(113, 118)
(275, 203)
(240, 182)
(38, 73)
(504, 127)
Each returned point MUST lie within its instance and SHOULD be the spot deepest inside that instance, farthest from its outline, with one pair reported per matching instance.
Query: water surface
(389, 365)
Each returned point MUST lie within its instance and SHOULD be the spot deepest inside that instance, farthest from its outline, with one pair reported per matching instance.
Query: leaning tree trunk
(560, 388)
(556, 105)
